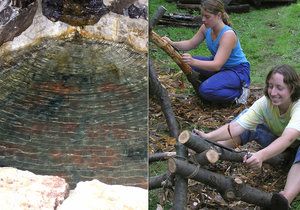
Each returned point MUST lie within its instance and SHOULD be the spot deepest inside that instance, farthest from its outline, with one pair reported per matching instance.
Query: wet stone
(74, 12)
(75, 109)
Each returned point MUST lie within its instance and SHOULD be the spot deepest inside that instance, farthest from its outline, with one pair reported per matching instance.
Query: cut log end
(184, 137)
(238, 181)
(229, 195)
(172, 165)
(212, 156)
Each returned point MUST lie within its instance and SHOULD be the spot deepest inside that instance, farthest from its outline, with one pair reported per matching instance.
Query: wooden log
(259, 2)
(192, 76)
(157, 16)
(256, 2)
(161, 156)
(209, 156)
(180, 198)
(199, 145)
(228, 188)
(181, 185)
(179, 23)
(179, 16)
(164, 45)
(163, 180)
(160, 93)
(241, 8)
(193, 142)
(226, 2)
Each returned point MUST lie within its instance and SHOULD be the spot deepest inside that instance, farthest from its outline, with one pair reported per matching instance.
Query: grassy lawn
(269, 36)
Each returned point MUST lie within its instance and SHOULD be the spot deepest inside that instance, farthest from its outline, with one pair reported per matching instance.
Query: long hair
(290, 78)
(214, 7)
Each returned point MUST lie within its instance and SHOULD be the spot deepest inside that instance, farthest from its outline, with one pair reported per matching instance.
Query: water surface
(76, 109)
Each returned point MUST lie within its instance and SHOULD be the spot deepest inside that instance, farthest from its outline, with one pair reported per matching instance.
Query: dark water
(76, 109)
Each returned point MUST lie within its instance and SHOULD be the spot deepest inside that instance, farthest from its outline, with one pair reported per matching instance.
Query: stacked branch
(201, 145)
(160, 93)
(161, 156)
(181, 185)
(230, 189)
(240, 8)
(165, 180)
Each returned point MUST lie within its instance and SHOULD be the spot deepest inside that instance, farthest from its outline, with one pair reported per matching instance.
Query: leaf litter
(191, 113)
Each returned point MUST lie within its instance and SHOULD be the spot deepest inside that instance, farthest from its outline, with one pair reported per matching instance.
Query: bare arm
(191, 43)
(227, 43)
(288, 136)
(222, 133)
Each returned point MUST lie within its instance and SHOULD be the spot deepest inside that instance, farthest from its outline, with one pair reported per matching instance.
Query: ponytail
(225, 18)
(214, 7)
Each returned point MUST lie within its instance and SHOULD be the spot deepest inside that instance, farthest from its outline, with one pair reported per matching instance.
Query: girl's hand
(187, 58)
(254, 161)
(167, 39)
(199, 133)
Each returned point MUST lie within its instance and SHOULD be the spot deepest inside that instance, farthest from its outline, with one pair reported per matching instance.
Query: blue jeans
(263, 136)
(224, 85)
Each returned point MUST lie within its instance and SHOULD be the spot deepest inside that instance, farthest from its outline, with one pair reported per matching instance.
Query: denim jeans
(263, 136)
(224, 85)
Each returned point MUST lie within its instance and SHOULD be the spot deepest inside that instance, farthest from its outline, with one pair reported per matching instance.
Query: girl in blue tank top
(225, 75)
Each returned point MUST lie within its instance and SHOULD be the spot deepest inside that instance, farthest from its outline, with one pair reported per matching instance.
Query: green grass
(268, 36)
(157, 168)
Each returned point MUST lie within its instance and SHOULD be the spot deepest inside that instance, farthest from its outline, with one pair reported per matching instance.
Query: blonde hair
(214, 7)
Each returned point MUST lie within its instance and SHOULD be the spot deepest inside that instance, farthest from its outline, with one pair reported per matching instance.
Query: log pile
(181, 166)
(206, 152)
(233, 3)
(232, 6)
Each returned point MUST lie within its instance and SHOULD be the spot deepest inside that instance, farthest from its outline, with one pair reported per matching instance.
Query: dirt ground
(191, 113)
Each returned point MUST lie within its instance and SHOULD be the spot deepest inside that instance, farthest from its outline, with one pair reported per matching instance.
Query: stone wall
(112, 27)
(27, 191)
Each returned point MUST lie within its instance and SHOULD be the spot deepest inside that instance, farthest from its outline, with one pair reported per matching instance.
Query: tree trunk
(228, 187)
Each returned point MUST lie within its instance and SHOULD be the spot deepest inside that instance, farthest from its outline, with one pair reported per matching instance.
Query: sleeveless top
(237, 55)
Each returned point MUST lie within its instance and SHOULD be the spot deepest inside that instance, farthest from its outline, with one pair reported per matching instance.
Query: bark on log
(206, 157)
(163, 99)
(228, 188)
(157, 16)
(226, 2)
(181, 20)
(179, 23)
(230, 8)
(163, 180)
(256, 2)
(181, 184)
(199, 145)
(161, 156)
(192, 76)
(156, 39)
